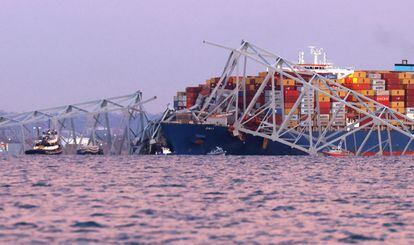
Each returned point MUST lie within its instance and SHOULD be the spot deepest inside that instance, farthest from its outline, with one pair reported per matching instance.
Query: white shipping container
(410, 115)
(277, 104)
(306, 106)
(324, 116)
(338, 112)
(382, 92)
(339, 117)
(217, 120)
(270, 97)
(306, 123)
(294, 117)
(374, 75)
(304, 89)
(277, 93)
(338, 123)
(306, 111)
(378, 82)
(378, 87)
(409, 110)
(182, 98)
(336, 104)
(308, 102)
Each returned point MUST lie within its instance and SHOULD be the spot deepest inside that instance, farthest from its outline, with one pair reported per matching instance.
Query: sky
(60, 52)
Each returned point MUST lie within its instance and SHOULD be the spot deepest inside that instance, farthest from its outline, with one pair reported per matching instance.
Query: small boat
(89, 150)
(217, 151)
(49, 144)
(163, 151)
(337, 152)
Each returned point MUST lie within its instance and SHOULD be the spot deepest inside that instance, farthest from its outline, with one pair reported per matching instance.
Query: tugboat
(217, 151)
(90, 150)
(338, 152)
(49, 144)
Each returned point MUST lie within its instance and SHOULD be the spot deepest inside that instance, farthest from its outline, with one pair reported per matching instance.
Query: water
(210, 200)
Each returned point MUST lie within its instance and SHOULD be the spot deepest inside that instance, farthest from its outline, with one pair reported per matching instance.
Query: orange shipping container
(359, 74)
(258, 80)
(397, 92)
(342, 94)
(367, 92)
(403, 75)
(289, 105)
(398, 104)
(400, 110)
(286, 82)
(363, 80)
(287, 111)
(324, 99)
(263, 74)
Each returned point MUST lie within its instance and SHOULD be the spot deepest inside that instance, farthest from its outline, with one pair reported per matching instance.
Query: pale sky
(58, 52)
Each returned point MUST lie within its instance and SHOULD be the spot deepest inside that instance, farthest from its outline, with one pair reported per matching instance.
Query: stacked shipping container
(392, 89)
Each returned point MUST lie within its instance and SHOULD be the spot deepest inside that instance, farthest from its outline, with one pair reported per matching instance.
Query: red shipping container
(351, 115)
(324, 110)
(409, 97)
(363, 122)
(291, 93)
(392, 76)
(230, 86)
(278, 118)
(324, 104)
(289, 105)
(394, 81)
(382, 98)
(409, 92)
(409, 103)
(397, 98)
(410, 86)
(192, 89)
(349, 98)
(394, 86)
(291, 99)
(286, 88)
(361, 86)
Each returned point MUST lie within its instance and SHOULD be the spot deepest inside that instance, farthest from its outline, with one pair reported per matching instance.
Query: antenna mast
(315, 51)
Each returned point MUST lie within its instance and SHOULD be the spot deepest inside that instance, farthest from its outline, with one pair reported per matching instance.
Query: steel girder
(93, 120)
(311, 133)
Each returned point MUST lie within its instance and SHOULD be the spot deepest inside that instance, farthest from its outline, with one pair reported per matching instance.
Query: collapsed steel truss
(378, 123)
(119, 124)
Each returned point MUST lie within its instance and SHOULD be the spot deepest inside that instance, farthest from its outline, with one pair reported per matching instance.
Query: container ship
(294, 108)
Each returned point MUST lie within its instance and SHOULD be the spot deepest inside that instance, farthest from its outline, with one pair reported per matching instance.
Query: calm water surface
(210, 200)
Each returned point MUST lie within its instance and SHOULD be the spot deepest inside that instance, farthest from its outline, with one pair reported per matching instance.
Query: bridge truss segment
(119, 124)
(376, 129)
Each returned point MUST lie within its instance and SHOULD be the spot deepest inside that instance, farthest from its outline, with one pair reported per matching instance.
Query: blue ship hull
(199, 139)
